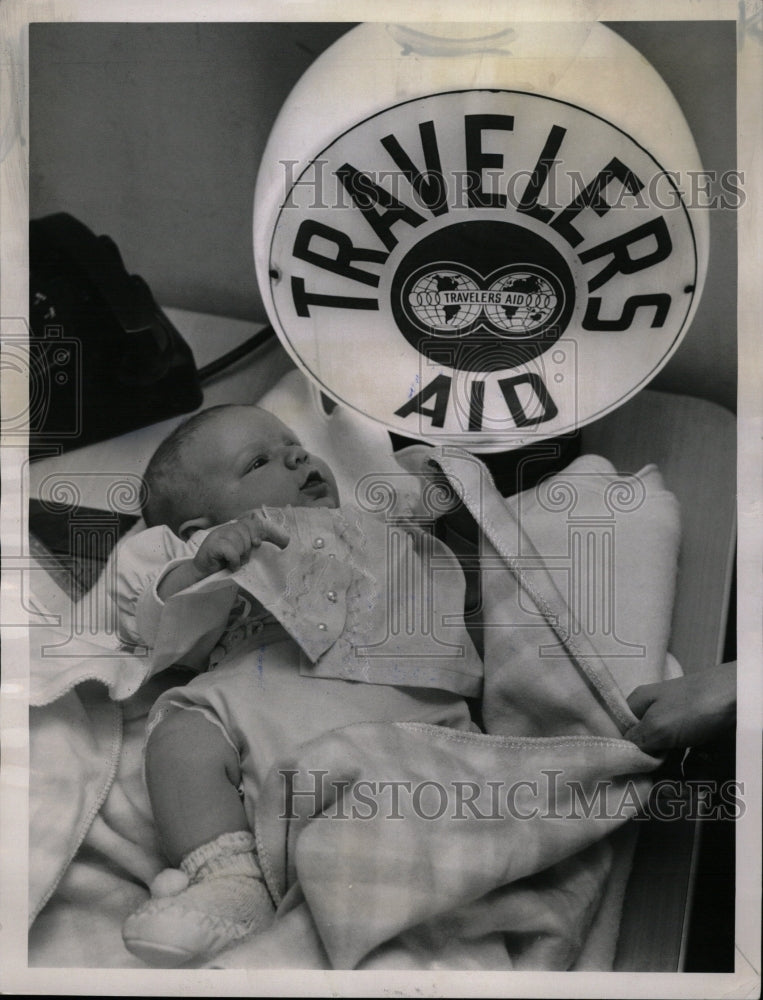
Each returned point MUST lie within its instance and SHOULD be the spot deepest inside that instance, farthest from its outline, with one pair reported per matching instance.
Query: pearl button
(322, 626)
(318, 543)
(331, 595)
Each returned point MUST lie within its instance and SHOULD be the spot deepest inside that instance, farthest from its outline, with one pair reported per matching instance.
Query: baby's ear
(187, 528)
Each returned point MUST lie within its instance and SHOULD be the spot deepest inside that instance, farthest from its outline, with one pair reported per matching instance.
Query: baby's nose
(295, 455)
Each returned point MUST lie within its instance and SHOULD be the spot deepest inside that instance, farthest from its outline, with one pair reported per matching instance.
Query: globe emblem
(528, 300)
(482, 296)
(432, 301)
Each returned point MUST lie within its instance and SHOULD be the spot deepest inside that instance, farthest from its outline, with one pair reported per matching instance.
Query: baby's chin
(327, 501)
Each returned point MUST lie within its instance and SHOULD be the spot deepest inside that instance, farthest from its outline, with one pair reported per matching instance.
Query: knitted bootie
(217, 897)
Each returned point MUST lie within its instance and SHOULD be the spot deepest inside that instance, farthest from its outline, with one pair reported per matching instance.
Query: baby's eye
(256, 463)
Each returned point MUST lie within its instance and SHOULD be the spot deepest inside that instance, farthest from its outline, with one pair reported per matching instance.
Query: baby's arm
(151, 566)
(135, 566)
(225, 547)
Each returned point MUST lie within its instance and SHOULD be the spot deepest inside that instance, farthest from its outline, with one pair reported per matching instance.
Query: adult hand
(685, 711)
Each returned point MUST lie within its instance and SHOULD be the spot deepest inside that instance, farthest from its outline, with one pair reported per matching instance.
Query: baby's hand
(228, 546)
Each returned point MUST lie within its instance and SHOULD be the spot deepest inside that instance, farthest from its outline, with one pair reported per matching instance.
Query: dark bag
(103, 357)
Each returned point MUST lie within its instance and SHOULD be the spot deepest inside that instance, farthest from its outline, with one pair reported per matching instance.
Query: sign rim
(516, 437)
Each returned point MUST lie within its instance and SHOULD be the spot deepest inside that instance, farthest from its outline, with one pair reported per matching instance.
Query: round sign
(473, 247)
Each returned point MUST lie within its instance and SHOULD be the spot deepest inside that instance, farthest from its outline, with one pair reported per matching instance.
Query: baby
(298, 643)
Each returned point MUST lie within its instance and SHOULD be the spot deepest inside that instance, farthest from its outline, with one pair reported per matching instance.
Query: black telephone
(103, 357)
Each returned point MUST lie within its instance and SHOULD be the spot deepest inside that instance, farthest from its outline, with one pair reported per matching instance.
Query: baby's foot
(222, 898)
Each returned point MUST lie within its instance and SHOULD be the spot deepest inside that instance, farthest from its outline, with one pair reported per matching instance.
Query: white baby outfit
(357, 619)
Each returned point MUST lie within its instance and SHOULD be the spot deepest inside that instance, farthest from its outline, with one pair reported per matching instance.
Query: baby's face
(245, 458)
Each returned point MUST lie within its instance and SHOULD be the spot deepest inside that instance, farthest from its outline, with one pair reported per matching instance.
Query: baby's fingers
(263, 530)
(230, 552)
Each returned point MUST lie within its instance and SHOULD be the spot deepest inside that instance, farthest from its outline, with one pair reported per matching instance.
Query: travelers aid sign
(478, 265)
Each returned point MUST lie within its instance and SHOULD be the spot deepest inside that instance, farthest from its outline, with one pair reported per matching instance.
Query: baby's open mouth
(314, 486)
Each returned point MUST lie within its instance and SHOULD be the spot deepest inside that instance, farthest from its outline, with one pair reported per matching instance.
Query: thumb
(272, 532)
(640, 699)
